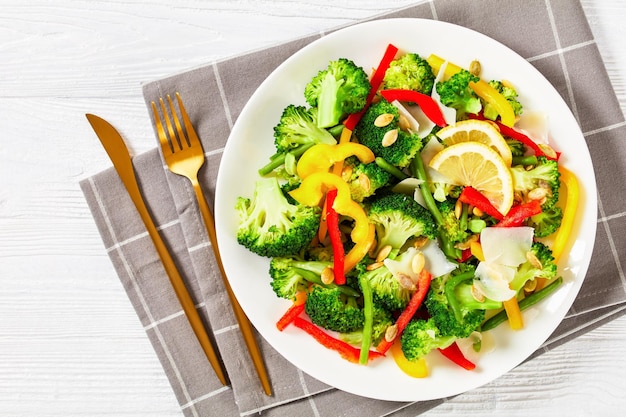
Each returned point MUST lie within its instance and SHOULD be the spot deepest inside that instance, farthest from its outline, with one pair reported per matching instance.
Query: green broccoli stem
(278, 159)
(336, 130)
(524, 160)
(393, 170)
(417, 167)
(525, 303)
(368, 323)
(449, 288)
(316, 279)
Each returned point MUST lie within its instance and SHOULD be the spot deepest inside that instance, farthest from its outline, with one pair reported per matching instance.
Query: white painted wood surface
(70, 343)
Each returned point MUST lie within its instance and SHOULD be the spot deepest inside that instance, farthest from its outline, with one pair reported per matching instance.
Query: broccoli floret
(546, 222)
(398, 218)
(399, 153)
(330, 308)
(457, 93)
(271, 226)
(517, 148)
(455, 228)
(382, 320)
(364, 179)
(291, 274)
(410, 72)
(509, 93)
(543, 175)
(420, 337)
(386, 288)
(297, 128)
(541, 266)
(337, 91)
(453, 308)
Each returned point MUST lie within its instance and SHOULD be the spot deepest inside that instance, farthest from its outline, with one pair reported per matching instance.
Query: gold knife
(118, 153)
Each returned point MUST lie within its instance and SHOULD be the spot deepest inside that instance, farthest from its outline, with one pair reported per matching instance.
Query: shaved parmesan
(436, 261)
(506, 245)
(492, 279)
(449, 114)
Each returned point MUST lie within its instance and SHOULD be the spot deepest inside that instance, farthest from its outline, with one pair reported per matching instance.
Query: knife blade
(120, 157)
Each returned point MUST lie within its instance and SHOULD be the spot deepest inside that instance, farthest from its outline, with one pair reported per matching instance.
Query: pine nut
(420, 242)
(477, 294)
(530, 286)
(477, 212)
(390, 138)
(534, 261)
(406, 282)
(475, 68)
(383, 253)
(418, 262)
(374, 266)
(458, 209)
(391, 332)
(383, 120)
(537, 193)
(364, 182)
(328, 275)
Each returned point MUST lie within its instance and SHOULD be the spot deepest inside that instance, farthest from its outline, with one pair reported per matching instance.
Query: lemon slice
(476, 131)
(477, 165)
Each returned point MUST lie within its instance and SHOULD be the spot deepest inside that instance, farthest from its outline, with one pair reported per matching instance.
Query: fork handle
(244, 323)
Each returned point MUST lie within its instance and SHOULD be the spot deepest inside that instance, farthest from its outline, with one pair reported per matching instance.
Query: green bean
(529, 301)
(382, 163)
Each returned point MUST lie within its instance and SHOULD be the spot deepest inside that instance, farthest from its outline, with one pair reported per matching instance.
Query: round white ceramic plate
(251, 143)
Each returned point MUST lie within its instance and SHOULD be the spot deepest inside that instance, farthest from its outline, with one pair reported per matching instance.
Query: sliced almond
(404, 123)
(420, 242)
(390, 138)
(458, 209)
(530, 286)
(383, 120)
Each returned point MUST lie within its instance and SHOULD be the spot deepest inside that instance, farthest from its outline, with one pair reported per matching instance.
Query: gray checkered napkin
(557, 41)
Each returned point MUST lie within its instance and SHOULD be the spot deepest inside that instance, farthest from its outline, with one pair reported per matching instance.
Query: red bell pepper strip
(290, 315)
(520, 212)
(346, 350)
(292, 312)
(376, 81)
(518, 136)
(453, 353)
(426, 103)
(472, 196)
(332, 223)
(423, 284)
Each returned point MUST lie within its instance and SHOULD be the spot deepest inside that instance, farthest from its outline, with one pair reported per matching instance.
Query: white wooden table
(70, 343)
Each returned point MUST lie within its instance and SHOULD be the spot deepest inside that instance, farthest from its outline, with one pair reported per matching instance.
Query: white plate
(251, 143)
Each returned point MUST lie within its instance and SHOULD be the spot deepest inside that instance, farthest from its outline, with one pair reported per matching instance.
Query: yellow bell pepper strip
(569, 212)
(346, 350)
(453, 352)
(514, 314)
(321, 157)
(525, 303)
(332, 222)
(416, 369)
(477, 250)
(376, 82)
(311, 192)
(346, 135)
(423, 285)
(481, 88)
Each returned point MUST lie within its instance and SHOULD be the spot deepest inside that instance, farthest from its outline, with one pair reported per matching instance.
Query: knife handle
(178, 284)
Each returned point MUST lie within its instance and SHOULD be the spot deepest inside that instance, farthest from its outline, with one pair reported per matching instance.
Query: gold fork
(184, 156)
